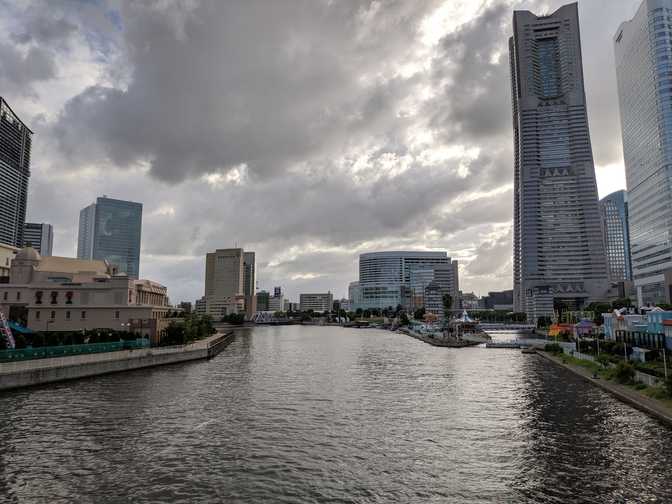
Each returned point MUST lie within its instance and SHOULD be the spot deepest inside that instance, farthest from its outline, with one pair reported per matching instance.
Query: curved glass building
(643, 48)
(614, 210)
(385, 278)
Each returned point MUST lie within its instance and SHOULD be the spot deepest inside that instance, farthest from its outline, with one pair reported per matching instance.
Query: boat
(529, 350)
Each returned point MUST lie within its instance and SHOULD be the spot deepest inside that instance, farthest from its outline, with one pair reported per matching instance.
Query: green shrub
(640, 386)
(624, 372)
(603, 360)
(668, 386)
(553, 348)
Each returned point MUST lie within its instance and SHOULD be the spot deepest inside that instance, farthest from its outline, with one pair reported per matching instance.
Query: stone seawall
(40, 371)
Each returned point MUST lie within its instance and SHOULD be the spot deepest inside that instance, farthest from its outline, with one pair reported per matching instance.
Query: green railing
(65, 350)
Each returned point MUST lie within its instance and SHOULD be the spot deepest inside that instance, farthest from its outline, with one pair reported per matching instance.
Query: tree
(419, 314)
(447, 302)
(621, 303)
(543, 322)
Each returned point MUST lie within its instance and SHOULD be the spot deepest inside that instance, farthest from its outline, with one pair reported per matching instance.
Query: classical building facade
(65, 294)
(559, 255)
(643, 65)
(111, 230)
(614, 211)
(15, 146)
(7, 253)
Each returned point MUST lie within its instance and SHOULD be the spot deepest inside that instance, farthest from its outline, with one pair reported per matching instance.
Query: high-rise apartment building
(559, 256)
(643, 48)
(614, 210)
(40, 236)
(15, 144)
(110, 229)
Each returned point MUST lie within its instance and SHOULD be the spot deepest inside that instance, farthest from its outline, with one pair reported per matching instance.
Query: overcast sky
(306, 130)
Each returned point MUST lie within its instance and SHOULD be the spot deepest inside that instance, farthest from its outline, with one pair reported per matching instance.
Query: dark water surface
(301, 414)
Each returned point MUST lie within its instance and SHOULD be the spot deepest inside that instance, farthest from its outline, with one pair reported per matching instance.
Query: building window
(4, 297)
(54, 297)
(52, 315)
(18, 296)
(83, 315)
(37, 315)
(67, 315)
(116, 314)
(68, 297)
(38, 297)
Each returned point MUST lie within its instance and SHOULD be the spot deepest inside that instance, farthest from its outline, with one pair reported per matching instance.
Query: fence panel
(20, 354)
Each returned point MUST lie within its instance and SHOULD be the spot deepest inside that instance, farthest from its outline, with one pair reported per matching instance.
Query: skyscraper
(111, 229)
(40, 236)
(614, 210)
(643, 48)
(559, 257)
(15, 143)
(224, 282)
(249, 283)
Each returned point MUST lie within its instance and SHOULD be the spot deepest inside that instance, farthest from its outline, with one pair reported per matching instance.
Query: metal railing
(21, 354)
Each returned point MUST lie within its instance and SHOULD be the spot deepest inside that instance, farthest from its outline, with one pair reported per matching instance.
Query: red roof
(667, 322)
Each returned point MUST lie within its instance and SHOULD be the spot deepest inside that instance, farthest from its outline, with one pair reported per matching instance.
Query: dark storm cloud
(44, 30)
(254, 82)
(19, 70)
(472, 67)
(306, 130)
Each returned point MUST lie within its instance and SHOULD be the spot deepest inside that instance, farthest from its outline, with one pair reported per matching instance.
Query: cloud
(306, 130)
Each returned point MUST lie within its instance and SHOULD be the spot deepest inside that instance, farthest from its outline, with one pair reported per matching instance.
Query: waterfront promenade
(40, 371)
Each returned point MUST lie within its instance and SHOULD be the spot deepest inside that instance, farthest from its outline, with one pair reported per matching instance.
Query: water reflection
(300, 414)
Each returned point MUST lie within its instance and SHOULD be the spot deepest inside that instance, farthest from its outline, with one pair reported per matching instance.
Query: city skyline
(374, 195)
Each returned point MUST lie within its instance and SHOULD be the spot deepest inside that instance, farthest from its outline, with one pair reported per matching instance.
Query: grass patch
(657, 393)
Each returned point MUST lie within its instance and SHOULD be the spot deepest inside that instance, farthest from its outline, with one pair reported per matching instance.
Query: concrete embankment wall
(40, 371)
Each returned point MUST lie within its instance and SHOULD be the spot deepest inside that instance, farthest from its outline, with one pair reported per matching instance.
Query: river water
(307, 414)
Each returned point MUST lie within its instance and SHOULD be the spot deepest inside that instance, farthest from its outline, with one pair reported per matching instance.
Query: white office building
(386, 279)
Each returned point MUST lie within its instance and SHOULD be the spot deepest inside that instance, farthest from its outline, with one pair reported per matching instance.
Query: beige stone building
(229, 282)
(65, 294)
(7, 253)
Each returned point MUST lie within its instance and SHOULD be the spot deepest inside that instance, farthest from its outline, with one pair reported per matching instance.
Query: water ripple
(300, 414)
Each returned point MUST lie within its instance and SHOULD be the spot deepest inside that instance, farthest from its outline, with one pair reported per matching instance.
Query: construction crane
(6, 332)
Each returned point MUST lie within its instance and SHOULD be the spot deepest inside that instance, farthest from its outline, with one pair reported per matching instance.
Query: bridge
(504, 327)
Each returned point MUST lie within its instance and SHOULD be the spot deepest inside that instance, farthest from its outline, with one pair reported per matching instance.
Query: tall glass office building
(614, 209)
(559, 256)
(15, 144)
(643, 48)
(385, 278)
(40, 236)
(110, 229)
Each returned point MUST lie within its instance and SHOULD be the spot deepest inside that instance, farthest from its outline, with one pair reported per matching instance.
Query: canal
(307, 414)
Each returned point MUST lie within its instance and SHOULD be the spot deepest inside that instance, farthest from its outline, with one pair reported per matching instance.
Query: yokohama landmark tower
(559, 255)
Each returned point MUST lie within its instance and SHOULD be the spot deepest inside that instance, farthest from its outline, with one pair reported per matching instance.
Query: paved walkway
(626, 394)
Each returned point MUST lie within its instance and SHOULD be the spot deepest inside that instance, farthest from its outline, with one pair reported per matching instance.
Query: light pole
(664, 361)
